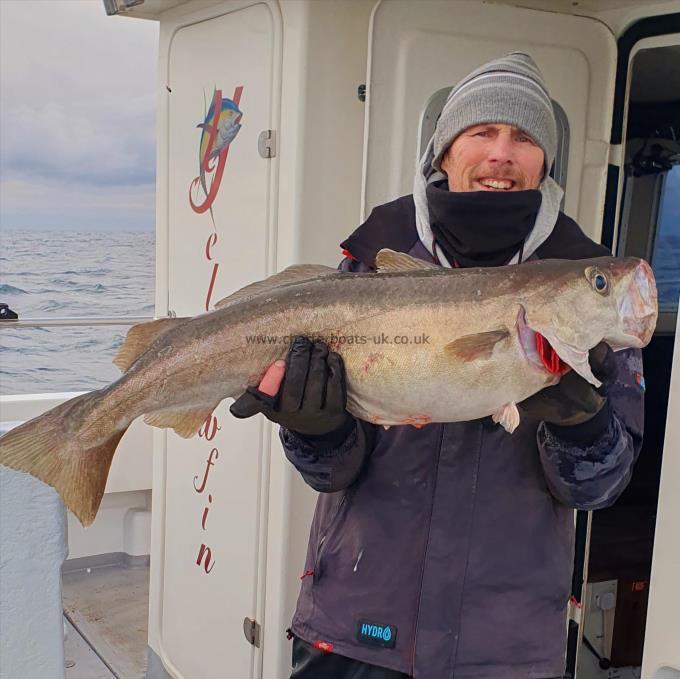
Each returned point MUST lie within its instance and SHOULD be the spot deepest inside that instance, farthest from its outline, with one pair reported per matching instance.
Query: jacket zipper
(427, 546)
(475, 483)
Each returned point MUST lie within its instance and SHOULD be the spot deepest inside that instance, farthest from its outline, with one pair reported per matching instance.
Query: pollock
(420, 344)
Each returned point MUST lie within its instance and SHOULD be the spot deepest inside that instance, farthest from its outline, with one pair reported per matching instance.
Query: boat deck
(106, 619)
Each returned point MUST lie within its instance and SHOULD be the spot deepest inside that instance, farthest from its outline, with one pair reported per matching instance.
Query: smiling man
(493, 157)
(446, 551)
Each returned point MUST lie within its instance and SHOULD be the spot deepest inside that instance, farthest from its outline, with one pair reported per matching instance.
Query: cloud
(86, 145)
(55, 204)
(77, 104)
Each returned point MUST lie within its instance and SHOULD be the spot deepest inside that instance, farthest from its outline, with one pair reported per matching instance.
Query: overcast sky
(77, 116)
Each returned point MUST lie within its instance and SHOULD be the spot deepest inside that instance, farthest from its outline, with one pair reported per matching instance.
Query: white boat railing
(76, 321)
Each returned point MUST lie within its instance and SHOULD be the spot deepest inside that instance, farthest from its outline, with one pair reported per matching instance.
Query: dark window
(666, 252)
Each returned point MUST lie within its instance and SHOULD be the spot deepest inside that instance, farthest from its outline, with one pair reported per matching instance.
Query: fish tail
(50, 448)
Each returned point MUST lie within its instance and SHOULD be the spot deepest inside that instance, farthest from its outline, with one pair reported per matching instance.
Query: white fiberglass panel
(219, 101)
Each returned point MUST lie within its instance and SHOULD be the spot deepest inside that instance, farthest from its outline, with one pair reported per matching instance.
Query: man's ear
(446, 161)
(546, 170)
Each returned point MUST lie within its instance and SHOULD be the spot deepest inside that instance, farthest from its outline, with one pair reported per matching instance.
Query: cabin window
(666, 248)
(650, 203)
(650, 221)
(433, 109)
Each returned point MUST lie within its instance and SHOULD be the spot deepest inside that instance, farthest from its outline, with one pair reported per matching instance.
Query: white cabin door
(206, 544)
(418, 49)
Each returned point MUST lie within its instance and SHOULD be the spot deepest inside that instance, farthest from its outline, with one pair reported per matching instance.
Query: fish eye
(598, 280)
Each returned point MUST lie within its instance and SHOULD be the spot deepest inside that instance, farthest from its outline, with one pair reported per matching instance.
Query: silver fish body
(420, 344)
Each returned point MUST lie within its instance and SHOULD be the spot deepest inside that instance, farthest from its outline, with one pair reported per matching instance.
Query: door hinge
(361, 92)
(252, 629)
(266, 143)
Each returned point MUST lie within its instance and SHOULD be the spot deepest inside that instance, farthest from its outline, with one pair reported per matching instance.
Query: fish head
(228, 125)
(230, 114)
(219, 130)
(578, 304)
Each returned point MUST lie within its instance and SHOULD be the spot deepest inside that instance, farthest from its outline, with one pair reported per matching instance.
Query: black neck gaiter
(481, 228)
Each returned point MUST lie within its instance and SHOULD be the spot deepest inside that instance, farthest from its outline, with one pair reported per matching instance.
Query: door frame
(650, 27)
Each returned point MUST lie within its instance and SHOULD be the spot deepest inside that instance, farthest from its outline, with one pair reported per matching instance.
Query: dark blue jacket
(446, 552)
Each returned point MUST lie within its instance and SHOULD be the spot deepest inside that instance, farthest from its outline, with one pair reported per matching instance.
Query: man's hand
(306, 393)
(574, 401)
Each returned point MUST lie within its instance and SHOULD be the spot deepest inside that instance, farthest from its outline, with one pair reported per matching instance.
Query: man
(447, 551)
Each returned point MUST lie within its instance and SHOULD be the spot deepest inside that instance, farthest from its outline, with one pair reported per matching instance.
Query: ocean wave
(76, 286)
(80, 272)
(21, 334)
(86, 344)
(6, 289)
(64, 282)
(51, 305)
(4, 374)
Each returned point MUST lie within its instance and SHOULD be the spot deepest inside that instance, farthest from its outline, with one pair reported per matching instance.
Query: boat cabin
(337, 99)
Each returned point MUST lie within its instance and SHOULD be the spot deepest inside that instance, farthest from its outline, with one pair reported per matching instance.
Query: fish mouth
(639, 306)
(537, 350)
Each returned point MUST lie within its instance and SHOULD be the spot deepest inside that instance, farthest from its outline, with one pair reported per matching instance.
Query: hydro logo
(376, 634)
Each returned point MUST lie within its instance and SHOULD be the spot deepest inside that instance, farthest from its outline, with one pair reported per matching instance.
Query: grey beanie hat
(508, 90)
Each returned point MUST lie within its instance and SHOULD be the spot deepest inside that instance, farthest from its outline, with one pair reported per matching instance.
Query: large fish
(420, 344)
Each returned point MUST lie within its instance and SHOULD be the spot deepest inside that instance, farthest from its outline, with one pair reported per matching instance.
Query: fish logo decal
(220, 127)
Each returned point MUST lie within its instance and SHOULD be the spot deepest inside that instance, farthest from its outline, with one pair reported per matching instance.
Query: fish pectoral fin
(389, 260)
(185, 421)
(507, 416)
(478, 345)
(140, 336)
(293, 274)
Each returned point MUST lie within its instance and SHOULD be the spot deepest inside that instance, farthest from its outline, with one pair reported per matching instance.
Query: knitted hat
(508, 90)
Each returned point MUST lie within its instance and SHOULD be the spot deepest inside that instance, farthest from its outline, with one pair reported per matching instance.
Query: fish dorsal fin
(389, 260)
(140, 336)
(185, 421)
(292, 274)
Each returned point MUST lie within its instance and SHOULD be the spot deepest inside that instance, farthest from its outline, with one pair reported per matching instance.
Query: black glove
(574, 401)
(312, 397)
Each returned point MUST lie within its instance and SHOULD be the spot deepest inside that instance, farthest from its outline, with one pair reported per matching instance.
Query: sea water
(56, 274)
